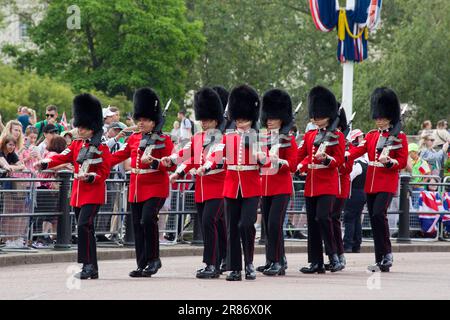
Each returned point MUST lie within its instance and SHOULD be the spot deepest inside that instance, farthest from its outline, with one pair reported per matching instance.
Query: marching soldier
(208, 188)
(320, 154)
(242, 186)
(149, 181)
(277, 185)
(387, 149)
(344, 191)
(91, 161)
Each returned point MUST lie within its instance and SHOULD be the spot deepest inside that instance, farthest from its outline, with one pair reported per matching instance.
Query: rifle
(323, 138)
(86, 155)
(347, 131)
(148, 141)
(386, 144)
(227, 123)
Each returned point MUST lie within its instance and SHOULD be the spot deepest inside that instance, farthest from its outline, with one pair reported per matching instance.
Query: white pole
(347, 81)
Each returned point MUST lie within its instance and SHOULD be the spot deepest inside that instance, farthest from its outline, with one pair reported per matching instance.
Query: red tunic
(154, 183)
(321, 179)
(278, 180)
(237, 156)
(381, 178)
(84, 192)
(194, 155)
(344, 178)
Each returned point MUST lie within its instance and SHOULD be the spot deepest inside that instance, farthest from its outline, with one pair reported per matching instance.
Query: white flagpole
(347, 81)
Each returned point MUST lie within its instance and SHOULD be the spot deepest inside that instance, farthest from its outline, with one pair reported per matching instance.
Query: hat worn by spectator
(117, 125)
(50, 128)
(354, 134)
(413, 147)
(107, 113)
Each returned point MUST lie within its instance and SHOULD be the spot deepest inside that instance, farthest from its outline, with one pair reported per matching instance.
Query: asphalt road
(414, 276)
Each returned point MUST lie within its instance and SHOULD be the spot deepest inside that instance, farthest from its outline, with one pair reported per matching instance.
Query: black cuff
(326, 162)
(90, 179)
(389, 164)
(181, 174)
(154, 165)
(44, 165)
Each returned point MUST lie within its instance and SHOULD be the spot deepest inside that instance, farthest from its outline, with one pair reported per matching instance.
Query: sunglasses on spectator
(430, 139)
(50, 115)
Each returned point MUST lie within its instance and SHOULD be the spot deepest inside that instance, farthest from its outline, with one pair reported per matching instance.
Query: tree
(121, 45)
(36, 92)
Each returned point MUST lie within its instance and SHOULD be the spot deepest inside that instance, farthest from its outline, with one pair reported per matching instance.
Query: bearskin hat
(244, 103)
(384, 103)
(207, 105)
(87, 112)
(276, 104)
(147, 105)
(322, 103)
(223, 94)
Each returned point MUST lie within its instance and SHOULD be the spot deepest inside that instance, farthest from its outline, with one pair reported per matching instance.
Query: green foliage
(36, 92)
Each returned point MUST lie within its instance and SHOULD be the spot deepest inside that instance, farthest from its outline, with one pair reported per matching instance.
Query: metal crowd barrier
(29, 212)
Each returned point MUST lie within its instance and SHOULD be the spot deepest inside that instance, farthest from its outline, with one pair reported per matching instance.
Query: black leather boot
(335, 265)
(250, 272)
(152, 268)
(264, 267)
(284, 263)
(87, 272)
(275, 269)
(136, 273)
(313, 268)
(234, 276)
(209, 272)
(386, 263)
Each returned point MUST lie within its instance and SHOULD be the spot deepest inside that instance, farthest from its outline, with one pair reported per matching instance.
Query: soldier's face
(208, 124)
(321, 122)
(243, 124)
(145, 125)
(85, 133)
(273, 124)
(382, 123)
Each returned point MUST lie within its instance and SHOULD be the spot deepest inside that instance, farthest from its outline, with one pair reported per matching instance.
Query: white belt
(376, 164)
(242, 168)
(142, 171)
(317, 166)
(215, 171)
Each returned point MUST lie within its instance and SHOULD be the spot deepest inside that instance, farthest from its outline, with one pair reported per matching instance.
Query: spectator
(51, 116)
(23, 117)
(185, 128)
(32, 116)
(175, 133)
(441, 135)
(355, 204)
(29, 153)
(15, 228)
(434, 158)
(68, 136)
(46, 201)
(50, 131)
(427, 128)
(129, 120)
(310, 126)
(116, 116)
(417, 167)
(107, 119)
(14, 128)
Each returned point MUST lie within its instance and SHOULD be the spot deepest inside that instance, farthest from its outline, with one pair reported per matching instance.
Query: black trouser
(338, 206)
(274, 211)
(377, 204)
(146, 232)
(352, 220)
(214, 243)
(318, 211)
(87, 247)
(241, 217)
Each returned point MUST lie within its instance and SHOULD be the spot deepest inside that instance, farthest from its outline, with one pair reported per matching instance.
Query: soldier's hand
(174, 177)
(320, 156)
(299, 167)
(383, 159)
(166, 161)
(147, 159)
(274, 158)
(201, 171)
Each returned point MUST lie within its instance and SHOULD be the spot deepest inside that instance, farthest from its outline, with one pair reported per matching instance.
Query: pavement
(415, 275)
